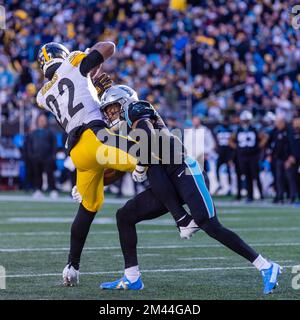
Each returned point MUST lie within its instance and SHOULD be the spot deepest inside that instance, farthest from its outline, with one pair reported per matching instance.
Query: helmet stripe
(45, 54)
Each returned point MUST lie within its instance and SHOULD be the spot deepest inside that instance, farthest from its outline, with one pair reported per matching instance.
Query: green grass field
(34, 240)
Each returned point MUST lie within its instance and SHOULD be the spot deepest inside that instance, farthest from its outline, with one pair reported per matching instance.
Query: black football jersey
(247, 141)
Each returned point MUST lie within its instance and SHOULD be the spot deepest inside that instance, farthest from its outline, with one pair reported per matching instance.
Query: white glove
(76, 195)
(139, 174)
(70, 276)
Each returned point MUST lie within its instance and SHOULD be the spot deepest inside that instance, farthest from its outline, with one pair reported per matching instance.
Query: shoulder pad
(76, 57)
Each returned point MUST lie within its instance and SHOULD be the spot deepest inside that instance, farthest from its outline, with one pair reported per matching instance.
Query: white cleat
(53, 194)
(70, 276)
(189, 230)
(38, 194)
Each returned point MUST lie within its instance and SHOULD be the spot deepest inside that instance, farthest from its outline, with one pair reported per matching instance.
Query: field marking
(105, 232)
(143, 271)
(144, 255)
(67, 199)
(63, 199)
(221, 258)
(203, 258)
(109, 221)
(16, 250)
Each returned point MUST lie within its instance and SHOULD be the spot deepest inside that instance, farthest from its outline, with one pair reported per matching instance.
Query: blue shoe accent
(123, 284)
(270, 277)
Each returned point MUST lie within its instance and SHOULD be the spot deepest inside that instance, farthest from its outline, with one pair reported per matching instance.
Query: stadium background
(210, 59)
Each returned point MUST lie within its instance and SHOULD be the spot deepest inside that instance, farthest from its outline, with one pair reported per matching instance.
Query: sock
(132, 273)
(79, 231)
(184, 221)
(261, 263)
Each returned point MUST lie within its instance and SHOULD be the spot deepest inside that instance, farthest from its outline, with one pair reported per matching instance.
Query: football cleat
(187, 231)
(270, 277)
(70, 276)
(123, 284)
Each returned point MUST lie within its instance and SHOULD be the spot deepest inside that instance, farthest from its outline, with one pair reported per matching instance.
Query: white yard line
(143, 271)
(108, 221)
(66, 199)
(104, 232)
(16, 250)
(221, 258)
(63, 199)
(202, 258)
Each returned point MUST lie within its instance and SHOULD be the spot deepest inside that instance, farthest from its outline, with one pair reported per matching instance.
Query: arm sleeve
(92, 60)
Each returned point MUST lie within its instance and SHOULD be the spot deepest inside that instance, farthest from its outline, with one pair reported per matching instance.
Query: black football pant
(238, 177)
(283, 175)
(192, 190)
(224, 158)
(250, 168)
(40, 166)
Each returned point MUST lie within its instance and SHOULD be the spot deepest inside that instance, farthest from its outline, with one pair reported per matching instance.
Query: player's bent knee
(121, 216)
(125, 215)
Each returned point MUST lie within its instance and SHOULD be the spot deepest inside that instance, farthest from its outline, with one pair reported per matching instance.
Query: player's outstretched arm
(105, 48)
(100, 52)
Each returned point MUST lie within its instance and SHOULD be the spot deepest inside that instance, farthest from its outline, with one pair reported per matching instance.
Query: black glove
(102, 83)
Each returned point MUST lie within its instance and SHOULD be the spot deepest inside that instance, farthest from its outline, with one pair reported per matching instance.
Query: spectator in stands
(223, 132)
(199, 142)
(281, 146)
(41, 151)
(249, 142)
(296, 151)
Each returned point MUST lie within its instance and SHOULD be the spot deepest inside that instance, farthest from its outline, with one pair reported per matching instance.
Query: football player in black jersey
(121, 103)
(248, 143)
(223, 133)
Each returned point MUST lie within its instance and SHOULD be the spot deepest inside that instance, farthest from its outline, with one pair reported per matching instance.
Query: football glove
(76, 195)
(102, 83)
(139, 174)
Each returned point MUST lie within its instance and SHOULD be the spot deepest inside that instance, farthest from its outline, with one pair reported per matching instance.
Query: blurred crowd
(178, 54)
(206, 59)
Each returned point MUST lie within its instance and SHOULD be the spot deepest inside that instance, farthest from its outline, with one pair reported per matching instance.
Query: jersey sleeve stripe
(77, 59)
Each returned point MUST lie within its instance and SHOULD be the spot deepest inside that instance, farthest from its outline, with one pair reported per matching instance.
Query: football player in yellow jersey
(71, 97)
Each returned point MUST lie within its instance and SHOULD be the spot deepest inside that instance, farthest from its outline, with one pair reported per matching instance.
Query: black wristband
(92, 60)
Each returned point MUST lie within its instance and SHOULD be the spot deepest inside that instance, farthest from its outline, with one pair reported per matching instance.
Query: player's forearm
(105, 48)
